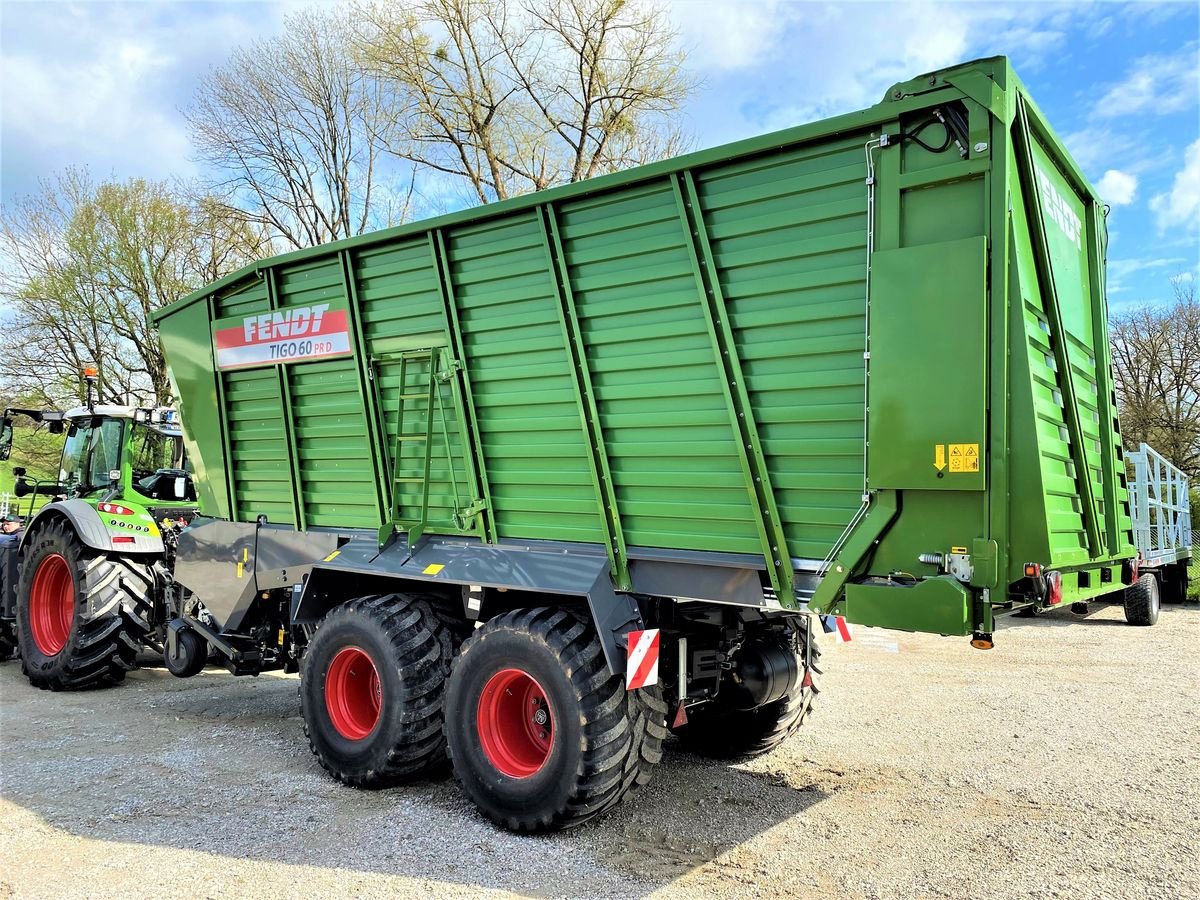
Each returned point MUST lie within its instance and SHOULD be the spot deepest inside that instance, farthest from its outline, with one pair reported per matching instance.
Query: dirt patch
(1063, 762)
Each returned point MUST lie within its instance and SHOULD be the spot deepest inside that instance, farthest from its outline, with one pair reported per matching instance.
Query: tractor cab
(110, 453)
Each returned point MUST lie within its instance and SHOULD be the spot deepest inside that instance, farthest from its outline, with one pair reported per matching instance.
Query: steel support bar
(585, 396)
(858, 545)
(289, 433)
(1023, 138)
(737, 398)
(1001, 273)
(366, 391)
(473, 445)
(1106, 399)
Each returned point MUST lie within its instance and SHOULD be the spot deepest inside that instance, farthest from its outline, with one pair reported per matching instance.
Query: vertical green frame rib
(996, 194)
(585, 396)
(366, 390)
(737, 398)
(1045, 274)
(285, 394)
(473, 446)
(1104, 377)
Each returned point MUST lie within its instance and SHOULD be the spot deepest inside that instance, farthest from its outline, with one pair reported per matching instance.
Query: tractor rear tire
(371, 689)
(541, 736)
(720, 731)
(81, 614)
(1142, 601)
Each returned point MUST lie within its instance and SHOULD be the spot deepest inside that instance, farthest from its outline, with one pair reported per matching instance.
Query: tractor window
(91, 453)
(154, 450)
(160, 464)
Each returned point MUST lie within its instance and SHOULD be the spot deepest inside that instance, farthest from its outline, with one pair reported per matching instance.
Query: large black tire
(1174, 586)
(1142, 601)
(396, 648)
(718, 730)
(582, 743)
(8, 639)
(82, 624)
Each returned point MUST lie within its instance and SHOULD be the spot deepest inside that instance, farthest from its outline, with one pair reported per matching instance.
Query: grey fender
(89, 528)
(556, 572)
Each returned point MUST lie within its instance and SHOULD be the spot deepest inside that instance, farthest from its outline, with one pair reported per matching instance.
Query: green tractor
(83, 588)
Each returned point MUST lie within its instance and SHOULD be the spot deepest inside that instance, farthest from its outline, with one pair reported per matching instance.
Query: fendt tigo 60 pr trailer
(526, 483)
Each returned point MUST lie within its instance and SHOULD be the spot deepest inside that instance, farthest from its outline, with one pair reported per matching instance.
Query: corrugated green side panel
(243, 299)
(259, 466)
(337, 478)
(329, 424)
(525, 398)
(1062, 510)
(398, 295)
(261, 471)
(789, 237)
(672, 449)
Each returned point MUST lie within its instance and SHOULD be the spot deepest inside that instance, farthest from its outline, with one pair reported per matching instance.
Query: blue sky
(101, 85)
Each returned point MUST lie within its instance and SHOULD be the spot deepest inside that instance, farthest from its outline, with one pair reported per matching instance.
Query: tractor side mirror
(6, 439)
(56, 427)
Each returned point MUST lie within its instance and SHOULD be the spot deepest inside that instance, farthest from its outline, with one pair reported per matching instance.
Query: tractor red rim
(515, 723)
(353, 694)
(52, 604)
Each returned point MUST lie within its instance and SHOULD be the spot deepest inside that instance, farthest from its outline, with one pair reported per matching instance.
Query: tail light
(1053, 588)
(115, 509)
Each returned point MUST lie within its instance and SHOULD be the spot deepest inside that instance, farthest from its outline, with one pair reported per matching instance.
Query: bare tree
(294, 127)
(1156, 362)
(514, 101)
(84, 266)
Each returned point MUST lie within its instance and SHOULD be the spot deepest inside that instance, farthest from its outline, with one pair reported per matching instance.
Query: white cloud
(101, 84)
(1120, 270)
(1181, 204)
(1155, 85)
(1117, 188)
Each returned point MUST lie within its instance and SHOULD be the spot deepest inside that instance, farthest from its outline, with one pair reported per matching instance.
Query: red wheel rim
(353, 695)
(52, 604)
(516, 726)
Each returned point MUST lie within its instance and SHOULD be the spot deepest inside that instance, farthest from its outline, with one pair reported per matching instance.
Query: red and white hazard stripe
(641, 664)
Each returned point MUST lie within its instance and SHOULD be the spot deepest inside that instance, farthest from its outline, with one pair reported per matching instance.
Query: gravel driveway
(1066, 762)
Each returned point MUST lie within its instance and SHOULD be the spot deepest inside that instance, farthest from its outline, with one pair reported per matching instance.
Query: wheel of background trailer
(540, 736)
(1175, 588)
(190, 656)
(720, 731)
(371, 688)
(81, 614)
(1142, 601)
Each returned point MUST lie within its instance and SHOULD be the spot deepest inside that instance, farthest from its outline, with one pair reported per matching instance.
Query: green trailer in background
(527, 482)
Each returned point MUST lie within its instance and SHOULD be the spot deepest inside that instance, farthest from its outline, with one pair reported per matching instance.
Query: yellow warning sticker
(964, 457)
(939, 456)
(241, 567)
(432, 569)
(331, 556)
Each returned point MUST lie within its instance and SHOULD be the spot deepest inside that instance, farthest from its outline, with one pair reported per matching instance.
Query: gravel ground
(1066, 762)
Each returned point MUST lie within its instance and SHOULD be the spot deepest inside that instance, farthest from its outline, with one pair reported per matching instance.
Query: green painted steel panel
(678, 480)
(789, 240)
(928, 423)
(534, 446)
(673, 357)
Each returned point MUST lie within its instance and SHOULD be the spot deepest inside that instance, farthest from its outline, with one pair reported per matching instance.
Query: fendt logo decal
(1058, 209)
(284, 336)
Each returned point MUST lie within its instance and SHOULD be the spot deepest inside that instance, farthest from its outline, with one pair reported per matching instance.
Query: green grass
(37, 450)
